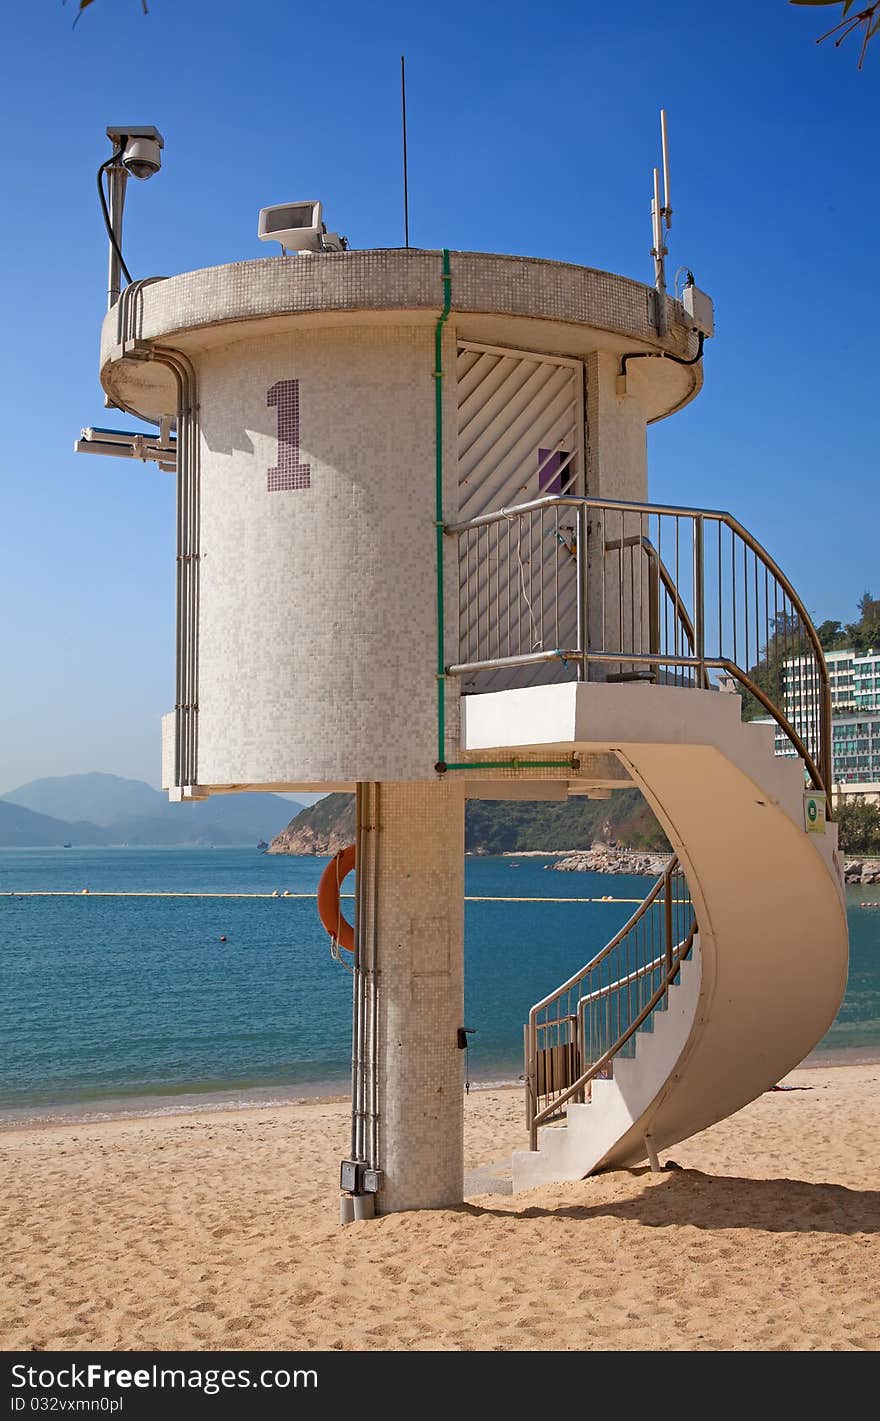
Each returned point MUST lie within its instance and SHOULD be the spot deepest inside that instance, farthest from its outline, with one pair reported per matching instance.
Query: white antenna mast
(664, 140)
(661, 221)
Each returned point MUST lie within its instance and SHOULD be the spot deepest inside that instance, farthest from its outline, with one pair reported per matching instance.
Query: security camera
(142, 157)
(141, 149)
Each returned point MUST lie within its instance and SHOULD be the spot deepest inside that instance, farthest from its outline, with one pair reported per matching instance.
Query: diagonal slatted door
(520, 435)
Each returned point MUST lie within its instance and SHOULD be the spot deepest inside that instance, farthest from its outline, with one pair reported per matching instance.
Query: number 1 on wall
(288, 472)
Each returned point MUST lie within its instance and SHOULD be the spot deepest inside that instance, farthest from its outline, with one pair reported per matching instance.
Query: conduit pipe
(188, 554)
(438, 509)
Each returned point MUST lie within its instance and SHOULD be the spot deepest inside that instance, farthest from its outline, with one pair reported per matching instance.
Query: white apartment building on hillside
(855, 709)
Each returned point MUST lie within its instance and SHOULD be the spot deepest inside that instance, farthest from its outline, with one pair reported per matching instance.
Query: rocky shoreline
(862, 871)
(309, 841)
(604, 858)
(303, 838)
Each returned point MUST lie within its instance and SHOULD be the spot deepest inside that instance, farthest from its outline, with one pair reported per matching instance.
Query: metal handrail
(609, 947)
(577, 1087)
(568, 1028)
(695, 661)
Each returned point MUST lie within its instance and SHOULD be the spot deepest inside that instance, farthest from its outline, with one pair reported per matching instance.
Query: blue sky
(532, 129)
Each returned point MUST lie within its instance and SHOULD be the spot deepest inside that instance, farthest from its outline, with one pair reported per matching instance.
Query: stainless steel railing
(563, 587)
(574, 1034)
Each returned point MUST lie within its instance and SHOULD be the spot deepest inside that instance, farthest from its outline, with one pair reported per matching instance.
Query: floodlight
(299, 227)
(296, 225)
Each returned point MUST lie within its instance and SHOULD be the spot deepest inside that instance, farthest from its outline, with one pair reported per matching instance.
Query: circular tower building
(342, 419)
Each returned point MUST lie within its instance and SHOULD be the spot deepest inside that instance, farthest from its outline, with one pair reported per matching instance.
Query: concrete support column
(419, 868)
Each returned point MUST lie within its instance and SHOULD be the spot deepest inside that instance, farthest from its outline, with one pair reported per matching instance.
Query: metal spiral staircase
(587, 625)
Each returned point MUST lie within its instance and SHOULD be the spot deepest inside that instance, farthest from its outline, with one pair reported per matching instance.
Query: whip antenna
(405, 169)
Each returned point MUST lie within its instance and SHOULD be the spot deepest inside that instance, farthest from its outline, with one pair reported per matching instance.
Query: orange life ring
(337, 870)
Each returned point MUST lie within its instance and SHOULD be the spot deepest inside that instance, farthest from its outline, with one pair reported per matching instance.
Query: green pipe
(438, 506)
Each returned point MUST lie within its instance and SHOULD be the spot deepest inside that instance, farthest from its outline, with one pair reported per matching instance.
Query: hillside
(109, 809)
(96, 797)
(508, 826)
(323, 828)
(495, 826)
(23, 829)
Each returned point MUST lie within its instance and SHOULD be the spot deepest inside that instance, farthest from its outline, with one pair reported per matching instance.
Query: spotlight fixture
(299, 227)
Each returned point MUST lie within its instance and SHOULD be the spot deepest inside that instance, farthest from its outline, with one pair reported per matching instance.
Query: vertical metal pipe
(117, 177)
(509, 570)
(357, 976)
(193, 573)
(677, 618)
(635, 610)
(532, 1076)
(825, 742)
(533, 633)
(719, 638)
(699, 601)
(581, 580)
(496, 601)
(746, 615)
(530, 1098)
(654, 610)
(541, 576)
(621, 614)
(375, 967)
(667, 925)
(178, 658)
(557, 547)
(733, 582)
(757, 612)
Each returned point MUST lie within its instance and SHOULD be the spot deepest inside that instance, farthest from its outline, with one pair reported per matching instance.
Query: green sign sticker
(814, 813)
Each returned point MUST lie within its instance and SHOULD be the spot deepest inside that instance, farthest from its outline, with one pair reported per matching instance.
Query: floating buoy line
(160, 893)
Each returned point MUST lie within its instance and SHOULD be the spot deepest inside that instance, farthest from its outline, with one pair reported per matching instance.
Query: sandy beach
(220, 1231)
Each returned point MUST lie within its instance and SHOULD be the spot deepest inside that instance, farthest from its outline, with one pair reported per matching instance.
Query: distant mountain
(21, 828)
(99, 798)
(496, 826)
(123, 811)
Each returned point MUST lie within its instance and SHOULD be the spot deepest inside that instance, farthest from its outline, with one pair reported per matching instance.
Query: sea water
(120, 1003)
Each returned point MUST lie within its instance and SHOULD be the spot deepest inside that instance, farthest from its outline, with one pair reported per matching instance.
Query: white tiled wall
(317, 633)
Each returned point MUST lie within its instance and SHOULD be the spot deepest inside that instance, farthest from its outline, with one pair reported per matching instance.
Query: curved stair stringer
(620, 1109)
(773, 944)
(768, 898)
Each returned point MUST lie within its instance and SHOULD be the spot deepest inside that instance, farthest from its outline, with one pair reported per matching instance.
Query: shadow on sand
(704, 1201)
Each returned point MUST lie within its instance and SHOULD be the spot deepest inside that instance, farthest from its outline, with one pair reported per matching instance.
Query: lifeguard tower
(416, 560)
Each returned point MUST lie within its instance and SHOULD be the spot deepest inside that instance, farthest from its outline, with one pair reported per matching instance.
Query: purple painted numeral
(288, 472)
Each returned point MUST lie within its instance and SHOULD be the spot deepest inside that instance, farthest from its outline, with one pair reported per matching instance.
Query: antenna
(405, 169)
(661, 221)
(664, 142)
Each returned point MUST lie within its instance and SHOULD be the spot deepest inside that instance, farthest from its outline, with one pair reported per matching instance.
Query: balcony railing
(564, 587)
